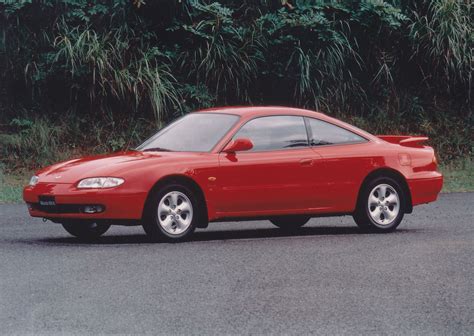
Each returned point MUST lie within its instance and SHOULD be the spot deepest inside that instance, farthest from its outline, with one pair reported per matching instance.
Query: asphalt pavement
(243, 278)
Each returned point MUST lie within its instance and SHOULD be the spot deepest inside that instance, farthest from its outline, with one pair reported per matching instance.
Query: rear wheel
(172, 214)
(290, 222)
(85, 230)
(381, 205)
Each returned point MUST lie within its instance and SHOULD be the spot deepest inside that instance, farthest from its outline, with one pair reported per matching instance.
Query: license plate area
(47, 201)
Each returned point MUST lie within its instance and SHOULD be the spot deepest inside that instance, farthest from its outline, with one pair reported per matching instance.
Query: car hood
(115, 165)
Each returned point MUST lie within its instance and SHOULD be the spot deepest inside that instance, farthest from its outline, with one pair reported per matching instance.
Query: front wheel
(85, 230)
(172, 214)
(290, 222)
(381, 205)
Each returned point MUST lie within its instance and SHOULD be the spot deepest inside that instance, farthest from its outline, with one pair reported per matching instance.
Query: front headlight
(34, 180)
(100, 182)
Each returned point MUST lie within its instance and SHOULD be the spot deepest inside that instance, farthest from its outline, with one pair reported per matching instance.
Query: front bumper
(119, 203)
(425, 188)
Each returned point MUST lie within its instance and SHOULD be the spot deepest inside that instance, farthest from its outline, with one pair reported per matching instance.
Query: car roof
(262, 111)
(249, 112)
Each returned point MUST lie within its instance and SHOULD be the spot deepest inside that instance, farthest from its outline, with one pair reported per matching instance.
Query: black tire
(85, 230)
(290, 222)
(151, 224)
(362, 215)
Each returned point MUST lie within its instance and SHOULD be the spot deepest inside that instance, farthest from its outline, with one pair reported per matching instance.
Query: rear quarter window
(324, 133)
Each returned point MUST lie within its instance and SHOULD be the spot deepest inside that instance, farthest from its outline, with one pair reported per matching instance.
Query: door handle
(306, 162)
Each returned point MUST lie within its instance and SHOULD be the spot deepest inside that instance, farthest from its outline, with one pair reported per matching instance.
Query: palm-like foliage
(406, 61)
(109, 66)
(443, 40)
(310, 56)
(217, 52)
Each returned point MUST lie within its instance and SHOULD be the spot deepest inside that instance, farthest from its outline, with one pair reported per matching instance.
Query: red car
(278, 163)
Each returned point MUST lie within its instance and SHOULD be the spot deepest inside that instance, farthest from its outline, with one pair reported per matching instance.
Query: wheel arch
(183, 180)
(397, 176)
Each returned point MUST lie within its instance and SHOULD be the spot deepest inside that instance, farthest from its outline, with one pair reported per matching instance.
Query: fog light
(90, 209)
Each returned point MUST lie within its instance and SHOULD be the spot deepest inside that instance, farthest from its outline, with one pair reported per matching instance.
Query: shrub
(100, 73)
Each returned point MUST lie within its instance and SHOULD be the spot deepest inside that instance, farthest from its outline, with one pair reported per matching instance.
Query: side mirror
(238, 145)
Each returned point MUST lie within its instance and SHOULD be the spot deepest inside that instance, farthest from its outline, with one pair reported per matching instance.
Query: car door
(347, 160)
(276, 176)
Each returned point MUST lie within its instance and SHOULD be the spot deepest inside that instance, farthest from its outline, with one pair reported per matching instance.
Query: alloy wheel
(175, 213)
(383, 204)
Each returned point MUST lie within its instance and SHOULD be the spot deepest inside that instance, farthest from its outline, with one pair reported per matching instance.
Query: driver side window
(274, 133)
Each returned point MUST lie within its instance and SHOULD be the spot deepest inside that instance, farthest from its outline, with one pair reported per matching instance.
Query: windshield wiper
(157, 149)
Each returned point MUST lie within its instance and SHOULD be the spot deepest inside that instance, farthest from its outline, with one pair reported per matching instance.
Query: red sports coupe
(278, 163)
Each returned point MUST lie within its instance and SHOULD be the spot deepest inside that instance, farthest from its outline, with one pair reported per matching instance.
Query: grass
(458, 177)
(11, 187)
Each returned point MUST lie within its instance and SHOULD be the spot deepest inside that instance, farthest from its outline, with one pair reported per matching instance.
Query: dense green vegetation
(100, 75)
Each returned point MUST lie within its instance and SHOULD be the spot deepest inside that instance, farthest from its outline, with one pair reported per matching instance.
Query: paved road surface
(243, 278)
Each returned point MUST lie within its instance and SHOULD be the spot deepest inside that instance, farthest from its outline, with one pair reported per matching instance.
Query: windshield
(195, 132)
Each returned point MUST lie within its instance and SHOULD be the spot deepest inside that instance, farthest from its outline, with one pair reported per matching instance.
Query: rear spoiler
(404, 140)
